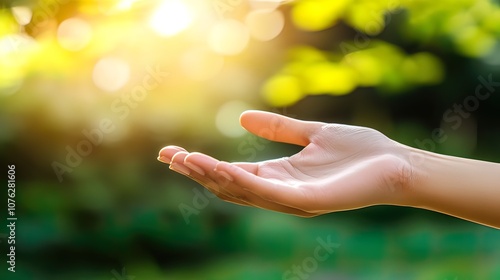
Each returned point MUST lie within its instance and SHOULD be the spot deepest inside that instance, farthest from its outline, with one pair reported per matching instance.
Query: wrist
(410, 175)
(459, 187)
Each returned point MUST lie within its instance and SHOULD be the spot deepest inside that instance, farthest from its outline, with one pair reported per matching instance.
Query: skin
(341, 168)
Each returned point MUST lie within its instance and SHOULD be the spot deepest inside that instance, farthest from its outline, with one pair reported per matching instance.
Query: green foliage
(472, 28)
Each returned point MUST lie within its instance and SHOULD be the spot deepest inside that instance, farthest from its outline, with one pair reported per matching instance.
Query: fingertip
(163, 159)
(167, 153)
(247, 112)
(245, 116)
(179, 168)
(172, 147)
(249, 115)
(194, 156)
(179, 157)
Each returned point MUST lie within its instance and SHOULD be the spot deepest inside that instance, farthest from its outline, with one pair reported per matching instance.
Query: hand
(341, 167)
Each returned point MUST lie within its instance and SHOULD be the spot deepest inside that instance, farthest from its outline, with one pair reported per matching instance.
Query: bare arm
(465, 188)
(344, 167)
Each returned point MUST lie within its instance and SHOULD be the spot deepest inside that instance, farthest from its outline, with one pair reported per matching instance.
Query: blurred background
(91, 90)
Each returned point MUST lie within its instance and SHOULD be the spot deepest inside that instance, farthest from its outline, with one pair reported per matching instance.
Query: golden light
(265, 25)
(266, 5)
(228, 37)
(200, 63)
(111, 74)
(113, 7)
(171, 18)
(125, 4)
(74, 34)
(22, 14)
(227, 119)
(15, 53)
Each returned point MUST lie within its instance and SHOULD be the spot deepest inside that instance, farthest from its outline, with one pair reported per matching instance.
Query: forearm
(465, 188)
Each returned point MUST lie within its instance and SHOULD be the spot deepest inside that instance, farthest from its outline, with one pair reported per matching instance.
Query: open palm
(341, 167)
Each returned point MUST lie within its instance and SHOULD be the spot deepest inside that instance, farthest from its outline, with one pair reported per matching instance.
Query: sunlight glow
(228, 37)
(125, 4)
(201, 64)
(171, 18)
(22, 14)
(111, 74)
(227, 119)
(265, 5)
(74, 34)
(265, 25)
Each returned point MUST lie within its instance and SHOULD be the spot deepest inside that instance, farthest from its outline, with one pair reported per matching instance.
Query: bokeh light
(16, 52)
(227, 118)
(110, 74)
(228, 37)
(367, 16)
(200, 63)
(114, 7)
(282, 90)
(266, 5)
(171, 17)
(22, 14)
(265, 25)
(321, 78)
(74, 34)
(125, 4)
(319, 14)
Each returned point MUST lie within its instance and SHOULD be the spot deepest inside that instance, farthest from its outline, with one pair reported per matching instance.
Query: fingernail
(225, 175)
(197, 169)
(164, 159)
(180, 169)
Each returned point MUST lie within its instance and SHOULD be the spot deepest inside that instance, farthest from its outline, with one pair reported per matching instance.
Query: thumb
(279, 128)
